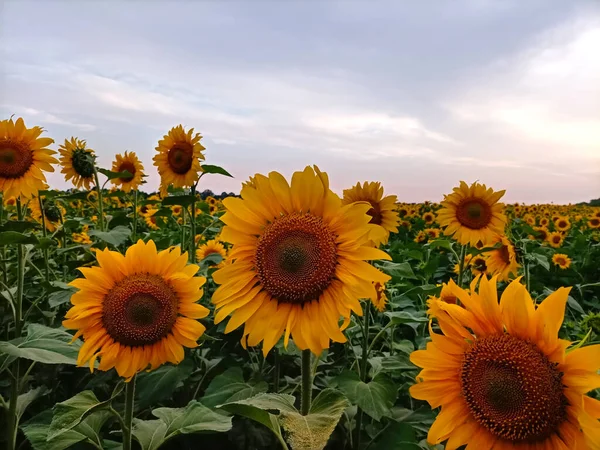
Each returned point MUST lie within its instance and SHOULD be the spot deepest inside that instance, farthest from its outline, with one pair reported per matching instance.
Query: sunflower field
(286, 315)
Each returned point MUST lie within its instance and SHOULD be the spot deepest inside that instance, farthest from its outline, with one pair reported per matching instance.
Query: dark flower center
(180, 157)
(15, 158)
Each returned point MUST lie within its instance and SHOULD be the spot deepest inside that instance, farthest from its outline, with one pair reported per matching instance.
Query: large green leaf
(24, 400)
(229, 387)
(207, 168)
(402, 317)
(14, 237)
(161, 383)
(117, 236)
(183, 200)
(398, 270)
(43, 344)
(71, 412)
(397, 435)
(112, 175)
(17, 225)
(194, 418)
(375, 398)
(149, 433)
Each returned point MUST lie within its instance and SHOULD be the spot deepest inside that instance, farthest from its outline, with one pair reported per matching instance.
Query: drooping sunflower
(24, 155)
(555, 239)
(298, 262)
(212, 247)
(53, 212)
(503, 260)
(77, 162)
(137, 310)
(178, 158)
(472, 213)
(501, 375)
(561, 260)
(382, 212)
(128, 162)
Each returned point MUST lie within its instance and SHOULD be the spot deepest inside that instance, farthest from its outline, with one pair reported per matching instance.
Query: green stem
(4, 271)
(13, 422)
(183, 210)
(193, 227)
(306, 398)
(45, 234)
(363, 368)
(276, 372)
(135, 202)
(100, 202)
(128, 419)
(461, 266)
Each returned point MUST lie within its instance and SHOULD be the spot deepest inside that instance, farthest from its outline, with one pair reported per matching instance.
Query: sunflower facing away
(212, 247)
(382, 212)
(298, 262)
(472, 213)
(128, 162)
(53, 212)
(137, 310)
(23, 157)
(502, 378)
(178, 158)
(503, 260)
(77, 163)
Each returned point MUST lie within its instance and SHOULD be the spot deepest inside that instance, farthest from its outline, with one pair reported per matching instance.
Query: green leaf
(398, 270)
(212, 259)
(541, 260)
(161, 383)
(194, 418)
(313, 430)
(229, 387)
(441, 243)
(183, 200)
(62, 293)
(396, 363)
(24, 400)
(374, 398)
(14, 237)
(18, 225)
(36, 434)
(71, 412)
(112, 175)
(576, 306)
(117, 236)
(397, 435)
(43, 344)
(149, 433)
(215, 169)
(401, 317)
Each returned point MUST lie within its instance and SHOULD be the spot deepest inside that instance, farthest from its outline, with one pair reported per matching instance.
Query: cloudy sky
(416, 94)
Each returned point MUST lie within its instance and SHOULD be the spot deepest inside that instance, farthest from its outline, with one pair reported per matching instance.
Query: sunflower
(562, 224)
(380, 301)
(137, 310)
(146, 210)
(128, 162)
(212, 247)
(555, 239)
(178, 158)
(9, 201)
(382, 212)
(561, 260)
(78, 162)
(53, 212)
(472, 214)
(594, 222)
(212, 210)
(211, 201)
(176, 209)
(432, 233)
(541, 233)
(152, 221)
(421, 237)
(478, 265)
(82, 238)
(23, 157)
(544, 222)
(503, 260)
(298, 262)
(501, 375)
(429, 218)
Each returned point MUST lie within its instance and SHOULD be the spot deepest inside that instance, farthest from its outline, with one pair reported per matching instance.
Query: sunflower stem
(306, 398)
(276, 372)
(193, 227)
(461, 266)
(13, 422)
(135, 202)
(128, 418)
(45, 234)
(100, 202)
(363, 367)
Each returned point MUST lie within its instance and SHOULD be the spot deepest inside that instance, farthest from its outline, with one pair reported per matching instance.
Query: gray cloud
(417, 95)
